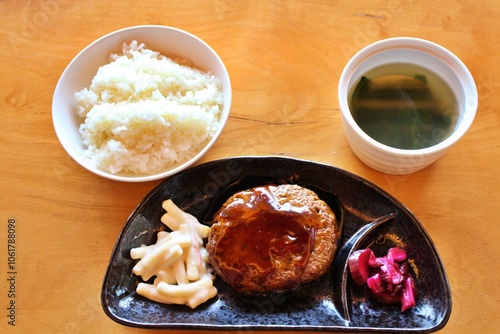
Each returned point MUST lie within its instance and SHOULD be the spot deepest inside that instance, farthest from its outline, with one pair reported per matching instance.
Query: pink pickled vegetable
(375, 283)
(396, 254)
(373, 261)
(358, 265)
(390, 271)
(409, 294)
(387, 277)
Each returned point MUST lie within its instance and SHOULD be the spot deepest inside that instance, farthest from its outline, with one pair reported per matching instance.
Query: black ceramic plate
(368, 216)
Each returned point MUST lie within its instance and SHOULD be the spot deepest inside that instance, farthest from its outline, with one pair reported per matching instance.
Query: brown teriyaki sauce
(261, 234)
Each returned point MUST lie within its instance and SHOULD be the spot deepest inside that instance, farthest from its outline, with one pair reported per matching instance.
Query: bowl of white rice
(141, 103)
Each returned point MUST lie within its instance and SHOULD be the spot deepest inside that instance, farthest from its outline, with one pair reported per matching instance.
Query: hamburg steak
(272, 238)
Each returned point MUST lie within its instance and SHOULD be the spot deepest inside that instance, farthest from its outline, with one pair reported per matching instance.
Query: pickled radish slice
(396, 254)
(375, 283)
(390, 271)
(409, 294)
(358, 265)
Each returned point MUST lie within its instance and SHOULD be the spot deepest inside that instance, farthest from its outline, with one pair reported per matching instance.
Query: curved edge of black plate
(329, 304)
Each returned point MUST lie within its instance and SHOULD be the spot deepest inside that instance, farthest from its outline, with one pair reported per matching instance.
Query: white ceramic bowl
(79, 73)
(420, 52)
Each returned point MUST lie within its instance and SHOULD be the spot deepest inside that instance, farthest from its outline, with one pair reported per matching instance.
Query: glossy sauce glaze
(263, 238)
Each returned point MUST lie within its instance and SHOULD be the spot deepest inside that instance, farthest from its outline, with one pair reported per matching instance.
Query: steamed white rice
(145, 113)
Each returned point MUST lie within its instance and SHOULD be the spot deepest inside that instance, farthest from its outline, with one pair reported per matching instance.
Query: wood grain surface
(284, 59)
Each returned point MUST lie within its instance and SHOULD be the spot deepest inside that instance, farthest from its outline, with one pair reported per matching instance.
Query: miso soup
(404, 106)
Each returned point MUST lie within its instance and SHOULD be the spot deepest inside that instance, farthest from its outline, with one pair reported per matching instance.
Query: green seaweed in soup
(404, 106)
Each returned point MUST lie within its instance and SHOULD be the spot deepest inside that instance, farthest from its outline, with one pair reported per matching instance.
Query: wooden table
(284, 59)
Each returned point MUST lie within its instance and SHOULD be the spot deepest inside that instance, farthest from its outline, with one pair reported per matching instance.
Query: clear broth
(404, 106)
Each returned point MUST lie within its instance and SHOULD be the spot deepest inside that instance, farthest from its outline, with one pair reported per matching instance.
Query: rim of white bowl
(130, 177)
(432, 49)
